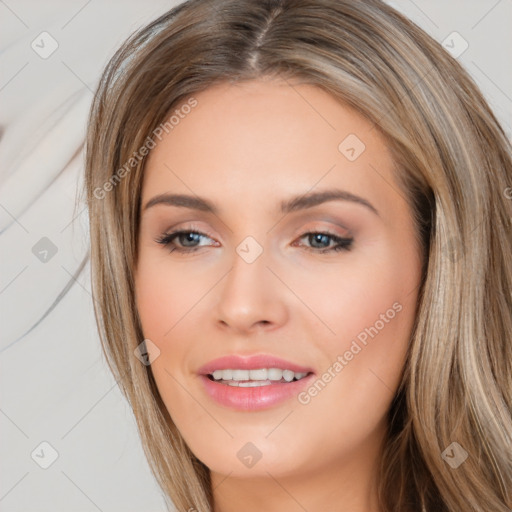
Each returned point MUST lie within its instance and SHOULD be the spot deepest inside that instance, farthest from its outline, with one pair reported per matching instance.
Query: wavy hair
(454, 165)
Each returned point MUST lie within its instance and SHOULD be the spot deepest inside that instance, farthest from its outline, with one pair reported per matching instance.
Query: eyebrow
(293, 204)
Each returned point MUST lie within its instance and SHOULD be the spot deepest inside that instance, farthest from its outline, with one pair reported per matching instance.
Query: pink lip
(237, 362)
(253, 398)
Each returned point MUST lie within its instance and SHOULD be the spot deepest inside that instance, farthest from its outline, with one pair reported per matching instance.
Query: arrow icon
(146, 352)
(454, 455)
(455, 44)
(44, 455)
(249, 253)
(351, 147)
(249, 455)
(44, 45)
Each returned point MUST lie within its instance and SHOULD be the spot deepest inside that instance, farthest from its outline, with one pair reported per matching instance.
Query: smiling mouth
(253, 390)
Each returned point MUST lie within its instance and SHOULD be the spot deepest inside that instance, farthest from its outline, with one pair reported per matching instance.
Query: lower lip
(254, 398)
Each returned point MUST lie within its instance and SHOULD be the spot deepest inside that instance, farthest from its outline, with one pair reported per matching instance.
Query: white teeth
(258, 374)
(288, 375)
(240, 375)
(217, 374)
(253, 384)
(275, 374)
(257, 377)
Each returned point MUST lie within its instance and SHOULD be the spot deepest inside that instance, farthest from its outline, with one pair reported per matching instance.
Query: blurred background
(68, 439)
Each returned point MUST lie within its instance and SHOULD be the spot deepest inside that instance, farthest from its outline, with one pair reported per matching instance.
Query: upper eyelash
(342, 243)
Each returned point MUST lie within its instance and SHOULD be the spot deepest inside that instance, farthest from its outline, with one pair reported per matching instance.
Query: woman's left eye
(341, 244)
(188, 239)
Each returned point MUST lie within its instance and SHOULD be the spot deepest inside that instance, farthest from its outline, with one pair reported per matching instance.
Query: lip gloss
(254, 398)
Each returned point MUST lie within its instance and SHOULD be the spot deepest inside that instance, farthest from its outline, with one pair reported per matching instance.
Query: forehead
(271, 113)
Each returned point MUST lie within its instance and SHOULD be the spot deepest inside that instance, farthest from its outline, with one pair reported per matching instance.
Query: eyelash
(343, 244)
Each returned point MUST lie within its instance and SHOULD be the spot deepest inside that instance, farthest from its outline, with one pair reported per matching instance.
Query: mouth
(249, 393)
(253, 382)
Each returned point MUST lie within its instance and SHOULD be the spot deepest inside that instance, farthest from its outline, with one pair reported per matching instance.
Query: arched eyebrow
(290, 205)
(315, 198)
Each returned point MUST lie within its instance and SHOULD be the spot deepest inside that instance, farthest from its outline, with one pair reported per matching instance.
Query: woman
(301, 260)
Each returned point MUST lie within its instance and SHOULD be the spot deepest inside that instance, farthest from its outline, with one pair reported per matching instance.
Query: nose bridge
(248, 265)
(250, 294)
(244, 283)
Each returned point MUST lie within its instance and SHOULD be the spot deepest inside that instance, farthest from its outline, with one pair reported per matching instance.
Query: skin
(246, 147)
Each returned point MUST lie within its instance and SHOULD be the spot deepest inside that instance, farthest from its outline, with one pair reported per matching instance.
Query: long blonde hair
(454, 164)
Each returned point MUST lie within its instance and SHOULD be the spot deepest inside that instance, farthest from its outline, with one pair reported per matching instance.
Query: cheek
(370, 309)
(165, 302)
(166, 295)
(364, 361)
(359, 293)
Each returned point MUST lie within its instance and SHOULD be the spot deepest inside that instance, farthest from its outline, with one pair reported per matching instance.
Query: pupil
(319, 236)
(189, 237)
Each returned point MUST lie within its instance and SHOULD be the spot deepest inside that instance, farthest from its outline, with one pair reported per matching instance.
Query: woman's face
(327, 284)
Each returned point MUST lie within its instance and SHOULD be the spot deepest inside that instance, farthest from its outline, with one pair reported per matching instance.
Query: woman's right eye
(187, 240)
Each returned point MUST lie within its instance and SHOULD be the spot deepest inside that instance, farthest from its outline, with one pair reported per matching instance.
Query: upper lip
(253, 362)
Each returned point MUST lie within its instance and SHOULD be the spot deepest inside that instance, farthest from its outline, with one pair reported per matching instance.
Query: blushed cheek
(163, 298)
(378, 346)
(162, 305)
(151, 306)
(372, 318)
(349, 300)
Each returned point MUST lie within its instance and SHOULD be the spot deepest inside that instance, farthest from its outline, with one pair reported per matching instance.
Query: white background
(55, 386)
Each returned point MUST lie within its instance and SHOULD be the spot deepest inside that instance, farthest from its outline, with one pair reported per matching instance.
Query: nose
(252, 298)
